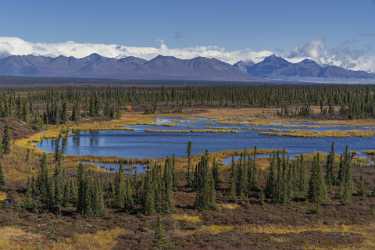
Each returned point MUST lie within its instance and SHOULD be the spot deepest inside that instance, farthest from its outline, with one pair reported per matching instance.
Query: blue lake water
(166, 140)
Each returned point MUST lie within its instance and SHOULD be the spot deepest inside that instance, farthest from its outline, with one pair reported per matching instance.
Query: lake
(170, 136)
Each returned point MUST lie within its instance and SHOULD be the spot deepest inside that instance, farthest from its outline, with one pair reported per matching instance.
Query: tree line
(318, 180)
(39, 106)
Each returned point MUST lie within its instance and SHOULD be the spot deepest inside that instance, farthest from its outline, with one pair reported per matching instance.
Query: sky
(340, 32)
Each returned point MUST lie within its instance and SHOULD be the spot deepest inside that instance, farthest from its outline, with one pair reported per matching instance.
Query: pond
(168, 136)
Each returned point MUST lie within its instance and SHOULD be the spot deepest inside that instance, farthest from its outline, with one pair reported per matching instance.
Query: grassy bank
(327, 133)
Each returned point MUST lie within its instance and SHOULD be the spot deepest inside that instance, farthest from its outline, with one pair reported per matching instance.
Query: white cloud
(315, 50)
(17, 46)
(346, 57)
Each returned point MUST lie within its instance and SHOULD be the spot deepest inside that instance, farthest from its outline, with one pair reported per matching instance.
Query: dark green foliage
(160, 240)
(90, 194)
(317, 189)
(362, 188)
(149, 194)
(189, 174)
(158, 188)
(2, 178)
(329, 167)
(58, 105)
(346, 179)
(120, 189)
(233, 178)
(216, 174)
(6, 140)
(205, 186)
(43, 180)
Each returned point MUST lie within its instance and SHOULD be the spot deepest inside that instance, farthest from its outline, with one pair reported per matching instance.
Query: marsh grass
(187, 218)
(106, 239)
(327, 133)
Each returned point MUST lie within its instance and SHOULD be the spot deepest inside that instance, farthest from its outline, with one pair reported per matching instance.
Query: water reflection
(168, 139)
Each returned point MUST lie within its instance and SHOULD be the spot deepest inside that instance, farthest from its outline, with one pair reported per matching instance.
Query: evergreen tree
(2, 178)
(120, 189)
(29, 202)
(43, 180)
(270, 184)
(81, 183)
(160, 240)
(59, 181)
(301, 177)
(206, 195)
(167, 187)
(233, 178)
(317, 189)
(329, 176)
(216, 174)
(346, 184)
(149, 195)
(189, 178)
(6, 140)
(129, 195)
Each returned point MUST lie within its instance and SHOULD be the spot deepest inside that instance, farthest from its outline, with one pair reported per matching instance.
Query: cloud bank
(315, 50)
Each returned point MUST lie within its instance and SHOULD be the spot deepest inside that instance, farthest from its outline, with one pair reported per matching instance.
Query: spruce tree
(129, 195)
(216, 174)
(346, 184)
(149, 195)
(6, 140)
(329, 176)
(81, 183)
(2, 178)
(233, 178)
(317, 189)
(270, 184)
(253, 171)
(120, 189)
(189, 177)
(167, 187)
(29, 202)
(160, 241)
(206, 195)
(43, 180)
(301, 177)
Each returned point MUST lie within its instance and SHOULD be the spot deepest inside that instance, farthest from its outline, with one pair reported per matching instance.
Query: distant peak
(94, 56)
(164, 57)
(308, 61)
(133, 59)
(242, 62)
(274, 58)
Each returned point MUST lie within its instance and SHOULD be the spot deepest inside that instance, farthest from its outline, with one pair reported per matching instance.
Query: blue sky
(255, 24)
(338, 32)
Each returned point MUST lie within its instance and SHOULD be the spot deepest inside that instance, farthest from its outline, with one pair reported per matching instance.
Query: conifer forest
(313, 189)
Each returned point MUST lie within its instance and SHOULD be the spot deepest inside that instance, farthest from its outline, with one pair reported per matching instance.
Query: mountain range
(172, 68)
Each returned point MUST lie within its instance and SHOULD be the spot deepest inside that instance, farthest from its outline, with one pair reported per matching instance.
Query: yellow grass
(98, 241)
(280, 233)
(366, 231)
(17, 239)
(230, 206)
(369, 152)
(327, 133)
(208, 130)
(14, 238)
(216, 229)
(187, 218)
(276, 229)
(3, 196)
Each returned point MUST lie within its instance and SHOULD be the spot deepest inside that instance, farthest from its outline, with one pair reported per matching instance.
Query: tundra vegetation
(195, 202)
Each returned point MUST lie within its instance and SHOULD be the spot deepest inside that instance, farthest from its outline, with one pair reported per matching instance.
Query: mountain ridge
(171, 68)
